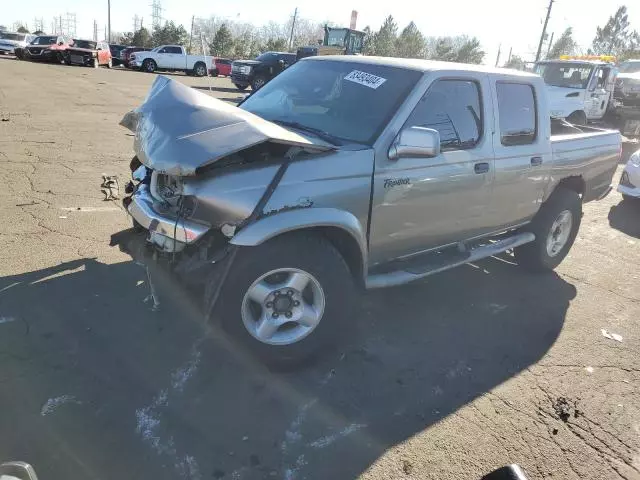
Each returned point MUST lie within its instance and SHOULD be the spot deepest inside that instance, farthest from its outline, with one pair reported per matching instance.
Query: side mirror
(17, 471)
(416, 142)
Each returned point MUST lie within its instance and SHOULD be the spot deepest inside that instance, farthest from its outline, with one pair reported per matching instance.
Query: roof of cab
(419, 64)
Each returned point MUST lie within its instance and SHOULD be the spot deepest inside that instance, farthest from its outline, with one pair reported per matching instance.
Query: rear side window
(517, 110)
(452, 107)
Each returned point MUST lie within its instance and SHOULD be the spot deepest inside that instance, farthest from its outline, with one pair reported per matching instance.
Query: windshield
(568, 75)
(336, 37)
(13, 36)
(266, 56)
(348, 100)
(629, 67)
(44, 41)
(85, 44)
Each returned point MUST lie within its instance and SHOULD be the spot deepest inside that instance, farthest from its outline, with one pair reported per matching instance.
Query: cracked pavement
(445, 379)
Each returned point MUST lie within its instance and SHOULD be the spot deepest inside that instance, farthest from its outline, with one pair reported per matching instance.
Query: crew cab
(171, 58)
(259, 71)
(353, 172)
(89, 54)
(48, 48)
(580, 89)
(9, 41)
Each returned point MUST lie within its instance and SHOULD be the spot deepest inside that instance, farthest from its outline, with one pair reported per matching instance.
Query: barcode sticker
(366, 79)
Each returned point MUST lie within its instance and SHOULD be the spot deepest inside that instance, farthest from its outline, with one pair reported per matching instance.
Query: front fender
(289, 221)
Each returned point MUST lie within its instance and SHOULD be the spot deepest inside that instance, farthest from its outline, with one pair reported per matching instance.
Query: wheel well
(575, 184)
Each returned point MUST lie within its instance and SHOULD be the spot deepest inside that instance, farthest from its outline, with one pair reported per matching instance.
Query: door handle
(482, 167)
(536, 161)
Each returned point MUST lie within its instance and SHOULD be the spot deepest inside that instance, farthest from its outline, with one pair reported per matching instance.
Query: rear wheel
(200, 69)
(555, 227)
(287, 298)
(214, 72)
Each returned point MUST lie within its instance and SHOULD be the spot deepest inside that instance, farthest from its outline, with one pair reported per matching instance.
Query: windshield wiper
(326, 136)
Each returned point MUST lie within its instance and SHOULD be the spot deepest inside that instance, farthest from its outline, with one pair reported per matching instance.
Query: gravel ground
(445, 379)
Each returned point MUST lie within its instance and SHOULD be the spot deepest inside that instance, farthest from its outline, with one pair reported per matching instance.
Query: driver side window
(453, 108)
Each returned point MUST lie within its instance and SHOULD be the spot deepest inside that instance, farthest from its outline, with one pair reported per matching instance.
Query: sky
(504, 24)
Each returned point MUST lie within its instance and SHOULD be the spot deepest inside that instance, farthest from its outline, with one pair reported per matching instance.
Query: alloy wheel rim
(283, 306)
(559, 233)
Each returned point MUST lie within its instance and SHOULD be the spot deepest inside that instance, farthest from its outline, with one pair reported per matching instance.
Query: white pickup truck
(171, 57)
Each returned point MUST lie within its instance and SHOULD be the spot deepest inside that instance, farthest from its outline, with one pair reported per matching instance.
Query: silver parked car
(347, 172)
(9, 41)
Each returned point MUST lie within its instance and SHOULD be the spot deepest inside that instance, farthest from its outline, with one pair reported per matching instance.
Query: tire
(258, 82)
(110, 64)
(629, 198)
(577, 118)
(330, 289)
(554, 237)
(200, 69)
(242, 88)
(149, 65)
(96, 63)
(214, 72)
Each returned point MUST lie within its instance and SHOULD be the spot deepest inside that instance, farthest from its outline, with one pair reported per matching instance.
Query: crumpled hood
(178, 129)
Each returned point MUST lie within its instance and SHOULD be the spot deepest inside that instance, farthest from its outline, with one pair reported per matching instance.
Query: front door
(597, 94)
(423, 203)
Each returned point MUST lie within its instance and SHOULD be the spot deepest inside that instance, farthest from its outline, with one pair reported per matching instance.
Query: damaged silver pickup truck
(347, 172)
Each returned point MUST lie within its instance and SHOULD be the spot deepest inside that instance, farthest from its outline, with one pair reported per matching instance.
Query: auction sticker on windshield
(366, 79)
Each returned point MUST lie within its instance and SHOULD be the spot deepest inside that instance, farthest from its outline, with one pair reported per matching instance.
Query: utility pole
(193, 18)
(498, 57)
(293, 25)
(95, 31)
(550, 44)
(544, 30)
(510, 52)
(109, 20)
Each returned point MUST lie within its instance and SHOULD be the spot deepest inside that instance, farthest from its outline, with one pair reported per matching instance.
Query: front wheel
(242, 88)
(149, 65)
(258, 83)
(287, 298)
(555, 227)
(577, 118)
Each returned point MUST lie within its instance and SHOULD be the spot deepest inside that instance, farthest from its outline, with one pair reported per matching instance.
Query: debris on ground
(407, 467)
(110, 187)
(612, 336)
(565, 409)
(589, 369)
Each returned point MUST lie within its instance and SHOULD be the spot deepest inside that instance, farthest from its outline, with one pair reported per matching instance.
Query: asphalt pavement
(448, 378)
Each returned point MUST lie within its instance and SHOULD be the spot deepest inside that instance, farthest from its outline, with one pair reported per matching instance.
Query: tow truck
(337, 41)
(580, 88)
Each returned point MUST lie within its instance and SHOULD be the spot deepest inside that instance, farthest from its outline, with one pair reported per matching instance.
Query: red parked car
(223, 67)
(50, 48)
(126, 54)
(88, 53)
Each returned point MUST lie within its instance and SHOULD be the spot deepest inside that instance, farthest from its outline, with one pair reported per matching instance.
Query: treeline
(224, 38)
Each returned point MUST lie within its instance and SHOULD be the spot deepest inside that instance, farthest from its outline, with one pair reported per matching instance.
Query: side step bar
(414, 272)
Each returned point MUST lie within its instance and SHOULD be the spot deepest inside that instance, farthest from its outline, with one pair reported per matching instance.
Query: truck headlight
(245, 70)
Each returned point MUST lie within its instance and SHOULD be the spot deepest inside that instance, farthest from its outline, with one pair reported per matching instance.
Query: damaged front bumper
(167, 231)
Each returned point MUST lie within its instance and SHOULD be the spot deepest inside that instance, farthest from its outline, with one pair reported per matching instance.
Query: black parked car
(259, 71)
(116, 52)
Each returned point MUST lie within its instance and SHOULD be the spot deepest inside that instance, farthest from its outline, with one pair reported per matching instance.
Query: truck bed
(592, 151)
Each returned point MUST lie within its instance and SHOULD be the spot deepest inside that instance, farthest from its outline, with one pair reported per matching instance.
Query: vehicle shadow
(100, 381)
(625, 216)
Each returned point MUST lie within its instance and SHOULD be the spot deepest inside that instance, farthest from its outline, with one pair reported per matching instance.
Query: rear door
(522, 153)
(422, 203)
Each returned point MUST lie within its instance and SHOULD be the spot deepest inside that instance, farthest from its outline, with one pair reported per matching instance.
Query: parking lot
(447, 378)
